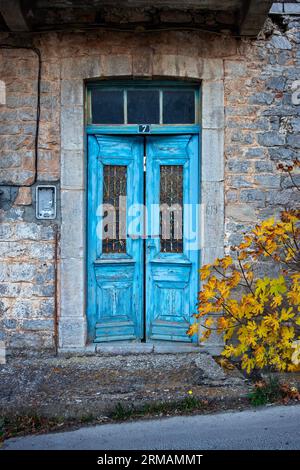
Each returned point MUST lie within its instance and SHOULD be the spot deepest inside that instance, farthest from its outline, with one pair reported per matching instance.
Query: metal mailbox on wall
(45, 202)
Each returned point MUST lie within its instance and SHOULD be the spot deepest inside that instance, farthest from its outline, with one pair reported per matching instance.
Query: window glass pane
(114, 186)
(171, 208)
(143, 106)
(179, 107)
(107, 106)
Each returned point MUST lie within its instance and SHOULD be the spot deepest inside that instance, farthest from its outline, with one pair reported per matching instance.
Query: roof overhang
(244, 17)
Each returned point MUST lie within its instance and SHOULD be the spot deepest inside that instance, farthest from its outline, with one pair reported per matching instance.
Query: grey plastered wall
(72, 315)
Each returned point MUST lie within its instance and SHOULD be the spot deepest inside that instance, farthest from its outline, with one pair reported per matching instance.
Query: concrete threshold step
(132, 348)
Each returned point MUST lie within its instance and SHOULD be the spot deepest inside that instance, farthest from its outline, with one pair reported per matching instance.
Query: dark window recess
(114, 186)
(179, 107)
(107, 107)
(143, 106)
(171, 208)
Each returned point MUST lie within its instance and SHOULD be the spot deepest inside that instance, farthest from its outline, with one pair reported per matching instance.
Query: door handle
(150, 245)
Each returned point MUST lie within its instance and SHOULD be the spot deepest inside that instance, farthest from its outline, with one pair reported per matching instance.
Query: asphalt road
(267, 428)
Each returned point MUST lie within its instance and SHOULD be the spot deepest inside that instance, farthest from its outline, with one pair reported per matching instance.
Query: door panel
(119, 299)
(171, 258)
(115, 268)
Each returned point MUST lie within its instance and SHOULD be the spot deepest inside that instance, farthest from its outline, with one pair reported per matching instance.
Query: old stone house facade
(246, 65)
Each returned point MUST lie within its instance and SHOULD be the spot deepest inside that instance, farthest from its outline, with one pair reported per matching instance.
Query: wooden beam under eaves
(12, 13)
(253, 16)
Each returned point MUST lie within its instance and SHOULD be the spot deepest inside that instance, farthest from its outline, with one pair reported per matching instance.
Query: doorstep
(125, 348)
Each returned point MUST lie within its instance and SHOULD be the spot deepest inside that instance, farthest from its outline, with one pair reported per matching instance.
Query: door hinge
(145, 162)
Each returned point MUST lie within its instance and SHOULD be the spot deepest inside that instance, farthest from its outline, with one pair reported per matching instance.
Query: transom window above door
(142, 104)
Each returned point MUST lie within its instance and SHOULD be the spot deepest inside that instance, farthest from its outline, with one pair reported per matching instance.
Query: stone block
(27, 231)
(212, 156)
(238, 166)
(142, 64)
(117, 65)
(2, 351)
(45, 273)
(175, 348)
(9, 323)
(231, 196)
(241, 212)
(124, 349)
(209, 254)
(2, 93)
(42, 290)
(264, 167)
(37, 325)
(26, 341)
(281, 42)
(72, 274)
(34, 231)
(239, 182)
(294, 140)
(72, 92)
(212, 105)
(276, 83)
(291, 8)
(81, 67)
(72, 128)
(13, 250)
(73, 225)
(173, 65)
(295, 123)
(47, 309)
(213, 69)
(261, 98)
(23, 309)
(12, 160)
(72, 333)
(253, 195)
(41, 251)
(279, 154)
(242, 137)
(254, 152)
(271, 139)
(16, 176)
(212, 222)
(268, 181)
(24, 271)
(235, 68)
(277, 9)
(6, 231)
(72, 169)
(24, 197)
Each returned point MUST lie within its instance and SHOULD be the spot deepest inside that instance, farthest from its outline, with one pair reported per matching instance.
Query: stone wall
(27, 246)
(261, 129)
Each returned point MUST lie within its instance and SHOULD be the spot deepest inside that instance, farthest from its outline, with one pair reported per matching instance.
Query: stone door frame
(72, 328)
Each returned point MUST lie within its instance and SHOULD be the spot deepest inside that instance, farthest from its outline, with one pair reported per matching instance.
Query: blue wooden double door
(142, 235)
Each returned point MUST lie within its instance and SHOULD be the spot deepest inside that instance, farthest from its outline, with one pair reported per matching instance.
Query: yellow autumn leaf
(277, 300)
(225, 363)
(286, 314)
(209, 322)
(242, 255)
(226, 262)
(205, 271)
(193, 329)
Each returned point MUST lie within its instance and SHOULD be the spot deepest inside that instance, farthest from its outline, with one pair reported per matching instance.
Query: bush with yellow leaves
(258, 317)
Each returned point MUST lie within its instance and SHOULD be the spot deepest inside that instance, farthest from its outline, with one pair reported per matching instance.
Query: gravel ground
(93, 386)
